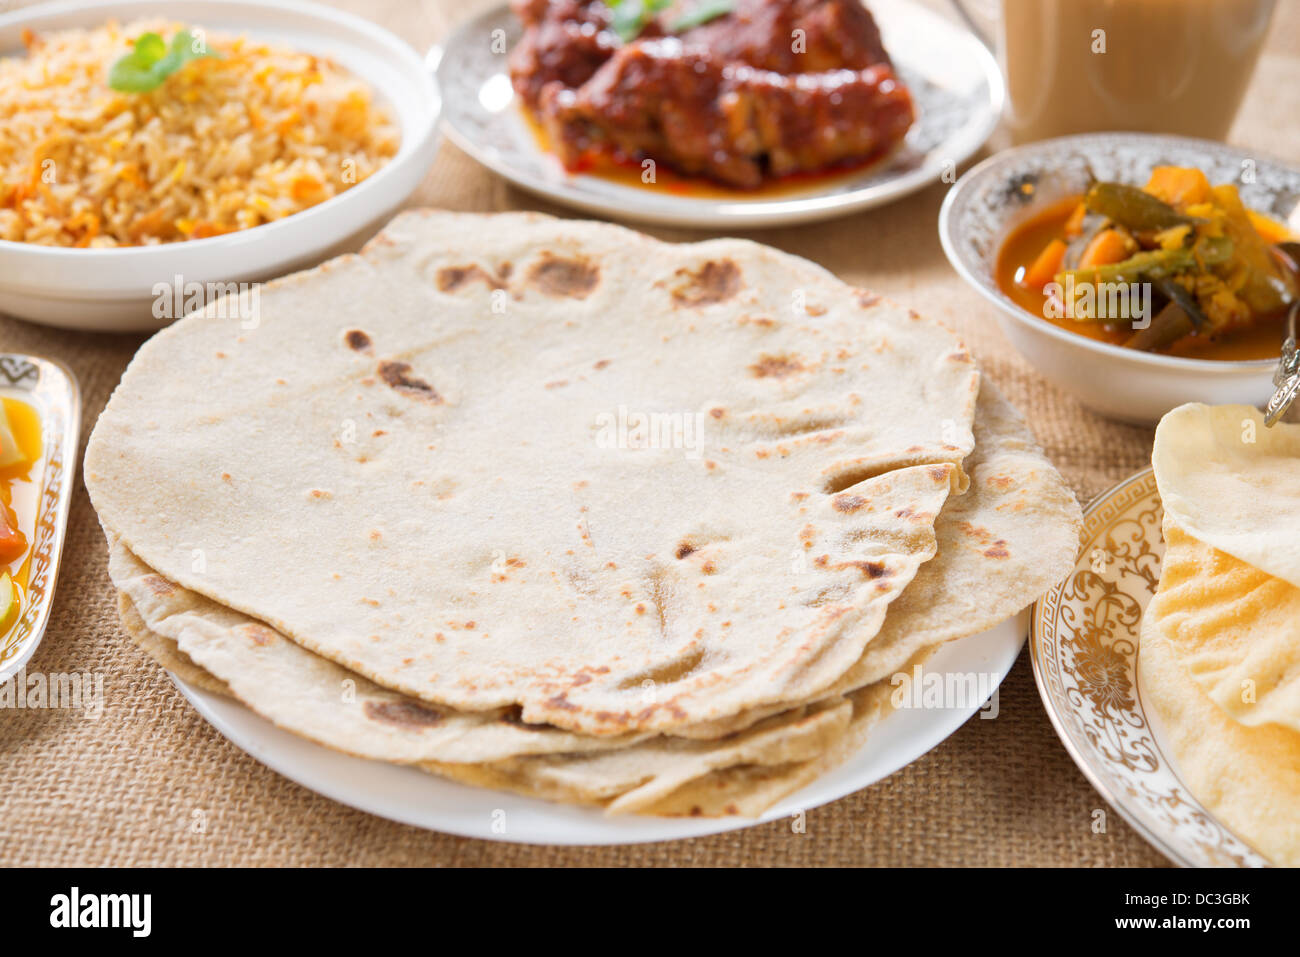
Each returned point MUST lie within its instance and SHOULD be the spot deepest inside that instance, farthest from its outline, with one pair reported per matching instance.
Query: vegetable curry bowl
(1137, 272)
(1177, 266)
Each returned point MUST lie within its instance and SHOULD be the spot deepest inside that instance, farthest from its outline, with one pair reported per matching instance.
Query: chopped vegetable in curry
(1215, 279)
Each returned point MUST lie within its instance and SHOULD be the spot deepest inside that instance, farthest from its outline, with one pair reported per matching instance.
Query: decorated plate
(954, 81)
(42, 498)
(1083, 643)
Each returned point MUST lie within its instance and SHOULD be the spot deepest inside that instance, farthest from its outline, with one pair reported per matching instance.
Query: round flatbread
(512, 461)
(1011, 533)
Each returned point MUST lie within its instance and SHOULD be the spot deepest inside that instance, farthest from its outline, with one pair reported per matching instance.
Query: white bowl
(112, 289)
(1138, 387)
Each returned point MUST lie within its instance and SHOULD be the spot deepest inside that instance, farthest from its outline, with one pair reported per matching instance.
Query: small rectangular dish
(39, 428)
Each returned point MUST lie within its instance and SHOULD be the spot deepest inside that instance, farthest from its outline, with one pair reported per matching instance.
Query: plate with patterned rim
(1083, 642)
(954, 80)
(51, 389)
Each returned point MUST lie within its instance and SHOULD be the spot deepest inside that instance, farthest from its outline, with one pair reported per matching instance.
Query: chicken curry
(710, 88)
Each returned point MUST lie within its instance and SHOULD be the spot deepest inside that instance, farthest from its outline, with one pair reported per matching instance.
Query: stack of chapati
(555, 507)
(1219, 661)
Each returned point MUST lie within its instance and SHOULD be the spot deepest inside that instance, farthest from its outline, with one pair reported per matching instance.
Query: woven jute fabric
(149, 782)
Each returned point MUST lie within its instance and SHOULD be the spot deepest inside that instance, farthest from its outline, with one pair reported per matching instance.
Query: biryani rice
(226, 143)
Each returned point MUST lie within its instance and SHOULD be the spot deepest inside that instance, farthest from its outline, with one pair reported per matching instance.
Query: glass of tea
(1156, 66)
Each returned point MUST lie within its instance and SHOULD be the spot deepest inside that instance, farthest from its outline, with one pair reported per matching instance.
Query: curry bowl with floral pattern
(1013, 187)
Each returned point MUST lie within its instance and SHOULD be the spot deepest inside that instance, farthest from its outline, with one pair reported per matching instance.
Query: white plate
(420, 799)
(953, 78)
(111, 290)
(1083, 643)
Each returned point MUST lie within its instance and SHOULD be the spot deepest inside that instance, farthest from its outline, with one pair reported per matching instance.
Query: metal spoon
(1287, 376)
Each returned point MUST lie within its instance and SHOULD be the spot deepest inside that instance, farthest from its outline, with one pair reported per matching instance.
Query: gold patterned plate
(52, 391)
(1083, 642)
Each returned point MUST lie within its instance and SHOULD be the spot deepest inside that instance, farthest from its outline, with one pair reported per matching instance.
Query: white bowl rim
(265, 231)
(1008, 307)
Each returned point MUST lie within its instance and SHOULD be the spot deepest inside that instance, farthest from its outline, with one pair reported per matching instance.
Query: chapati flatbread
(354, 716)
(426, 464)
(166, 652)
(1012, 536)
(310, 695)
(743, 775)
(1015, 530)
(753, 779)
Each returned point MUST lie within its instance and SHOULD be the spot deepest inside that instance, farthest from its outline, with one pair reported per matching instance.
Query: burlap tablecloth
(125, 789)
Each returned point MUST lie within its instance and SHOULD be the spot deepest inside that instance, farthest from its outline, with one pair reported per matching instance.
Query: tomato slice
(13, 543)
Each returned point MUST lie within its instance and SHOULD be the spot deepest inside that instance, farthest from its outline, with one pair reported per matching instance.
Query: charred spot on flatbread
(358, 341)
(398, 376)
(564, 278)
(456, 278)
(404, 714)
(159, 585)
(259, 635)
(776, 367)
(714, 282)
